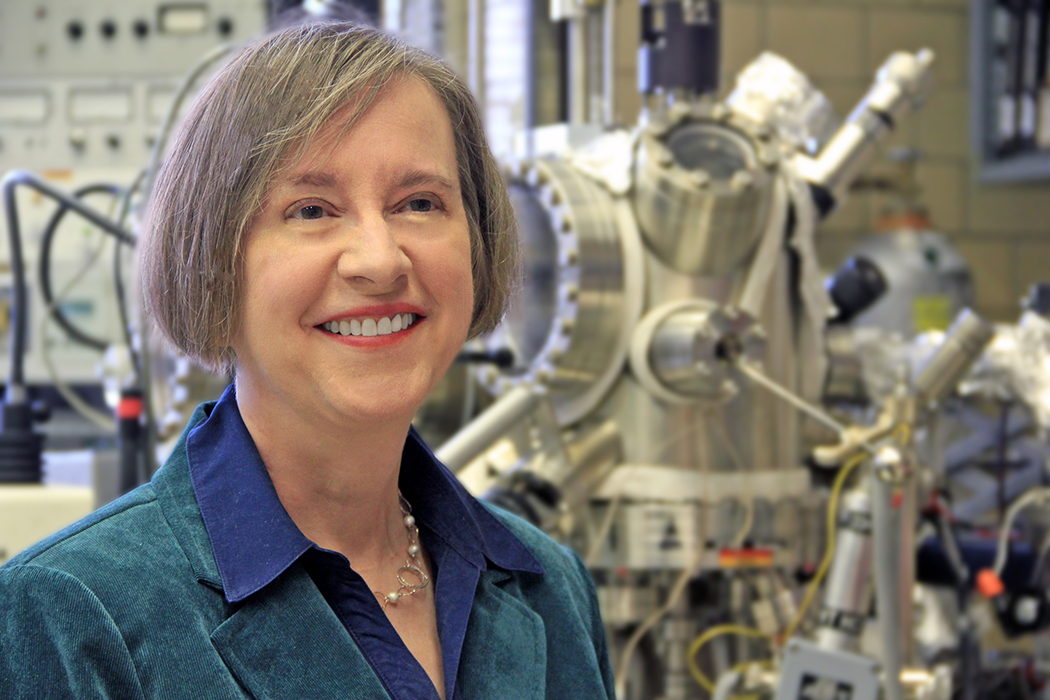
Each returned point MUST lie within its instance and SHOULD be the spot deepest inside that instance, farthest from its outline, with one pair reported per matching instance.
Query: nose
(372, 259)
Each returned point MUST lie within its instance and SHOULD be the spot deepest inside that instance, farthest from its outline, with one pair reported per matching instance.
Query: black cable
(46, 244)
(137, 443)
(140, 358)
(16, 375)
(118, 277)
(122, 309)
(20, 445)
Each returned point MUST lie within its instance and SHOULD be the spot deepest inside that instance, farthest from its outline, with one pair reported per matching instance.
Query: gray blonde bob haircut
(253, 118)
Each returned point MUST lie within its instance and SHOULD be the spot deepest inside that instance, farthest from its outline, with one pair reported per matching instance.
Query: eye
(309, 211)
(421, 205)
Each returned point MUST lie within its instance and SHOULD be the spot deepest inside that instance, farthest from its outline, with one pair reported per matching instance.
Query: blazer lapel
(288, 643)
(505, 650)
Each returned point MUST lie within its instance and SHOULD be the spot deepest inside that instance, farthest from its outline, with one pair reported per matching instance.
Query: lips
(371, 326)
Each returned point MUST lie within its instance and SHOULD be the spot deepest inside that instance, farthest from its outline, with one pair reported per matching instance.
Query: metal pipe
(963, 344)
(758, 377)
(901, 85)
(845, 599)
(578, 69)
(594, 17)
(472, 440)
(609, 62)
(725, 685)
(886, 530)
(683, 353)
(907, 527)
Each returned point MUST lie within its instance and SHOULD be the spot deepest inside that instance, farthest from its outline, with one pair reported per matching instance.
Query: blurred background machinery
(89, 93)
(787, 482)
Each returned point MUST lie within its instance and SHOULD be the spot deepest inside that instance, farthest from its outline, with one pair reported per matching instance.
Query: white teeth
(371, 327)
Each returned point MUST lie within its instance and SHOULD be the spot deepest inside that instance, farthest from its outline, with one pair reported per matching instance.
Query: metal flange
(584, 288)
(682, 351)
(702, 187)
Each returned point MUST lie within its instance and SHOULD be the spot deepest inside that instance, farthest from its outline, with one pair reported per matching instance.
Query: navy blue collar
(254, 539)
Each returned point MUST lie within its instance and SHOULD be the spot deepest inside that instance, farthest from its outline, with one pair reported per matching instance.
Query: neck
(337, 482)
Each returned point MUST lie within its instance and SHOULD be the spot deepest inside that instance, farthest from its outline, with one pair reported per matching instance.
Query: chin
(382, 406)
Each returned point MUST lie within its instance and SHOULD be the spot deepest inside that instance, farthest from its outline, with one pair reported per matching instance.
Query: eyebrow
(404, 179)
(413, 178)
(315, 179)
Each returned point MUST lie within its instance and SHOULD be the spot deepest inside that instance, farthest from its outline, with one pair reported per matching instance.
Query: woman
(330, 227)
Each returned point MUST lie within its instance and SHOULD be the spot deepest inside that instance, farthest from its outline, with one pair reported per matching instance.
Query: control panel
(85, 86)
(88, 83)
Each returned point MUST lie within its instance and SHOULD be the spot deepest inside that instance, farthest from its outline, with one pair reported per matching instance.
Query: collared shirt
(255, 540)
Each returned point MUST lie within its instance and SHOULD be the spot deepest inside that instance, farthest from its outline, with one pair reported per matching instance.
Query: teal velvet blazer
(128, 604)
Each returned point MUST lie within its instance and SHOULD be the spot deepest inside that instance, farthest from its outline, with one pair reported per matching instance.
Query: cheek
(460, 280)
(276, 282)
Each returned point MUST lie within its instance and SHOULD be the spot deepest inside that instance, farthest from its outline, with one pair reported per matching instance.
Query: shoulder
(113, 525)
(59, 600)
(128, 537)
(124, 554)
(51, 628)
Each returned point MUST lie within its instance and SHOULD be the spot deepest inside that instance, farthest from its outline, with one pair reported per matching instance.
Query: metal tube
(963, 344)
(907, 513)
(845, 599)
(756, 375)
(901, 85)
(578, 69)
(472, 440)
(886, 526)
(609, 62)
(678, 351)
(595, 69)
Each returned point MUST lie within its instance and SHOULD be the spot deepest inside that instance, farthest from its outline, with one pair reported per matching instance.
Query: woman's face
(358, 291)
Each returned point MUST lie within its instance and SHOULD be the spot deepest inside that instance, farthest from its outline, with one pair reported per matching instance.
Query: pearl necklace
(413, 566)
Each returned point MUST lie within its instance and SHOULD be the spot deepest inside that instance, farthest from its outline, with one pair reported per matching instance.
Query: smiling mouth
(368, 327)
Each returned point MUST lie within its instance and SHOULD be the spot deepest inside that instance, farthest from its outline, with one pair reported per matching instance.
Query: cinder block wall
(1003, 230)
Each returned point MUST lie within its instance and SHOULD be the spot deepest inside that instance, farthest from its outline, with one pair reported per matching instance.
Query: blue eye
(421, 205)
(310, 211)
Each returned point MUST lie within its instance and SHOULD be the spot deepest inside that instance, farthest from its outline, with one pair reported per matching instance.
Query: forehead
(406, 120)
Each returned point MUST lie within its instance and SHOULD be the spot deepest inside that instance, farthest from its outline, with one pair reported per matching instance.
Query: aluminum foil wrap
(885, 359)
(1016, 366)
(772, 92)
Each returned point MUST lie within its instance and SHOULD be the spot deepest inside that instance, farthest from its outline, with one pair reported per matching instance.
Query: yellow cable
(902, 434)
(706, 637)
(740, 668)
(811, 592)
(829, 550)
